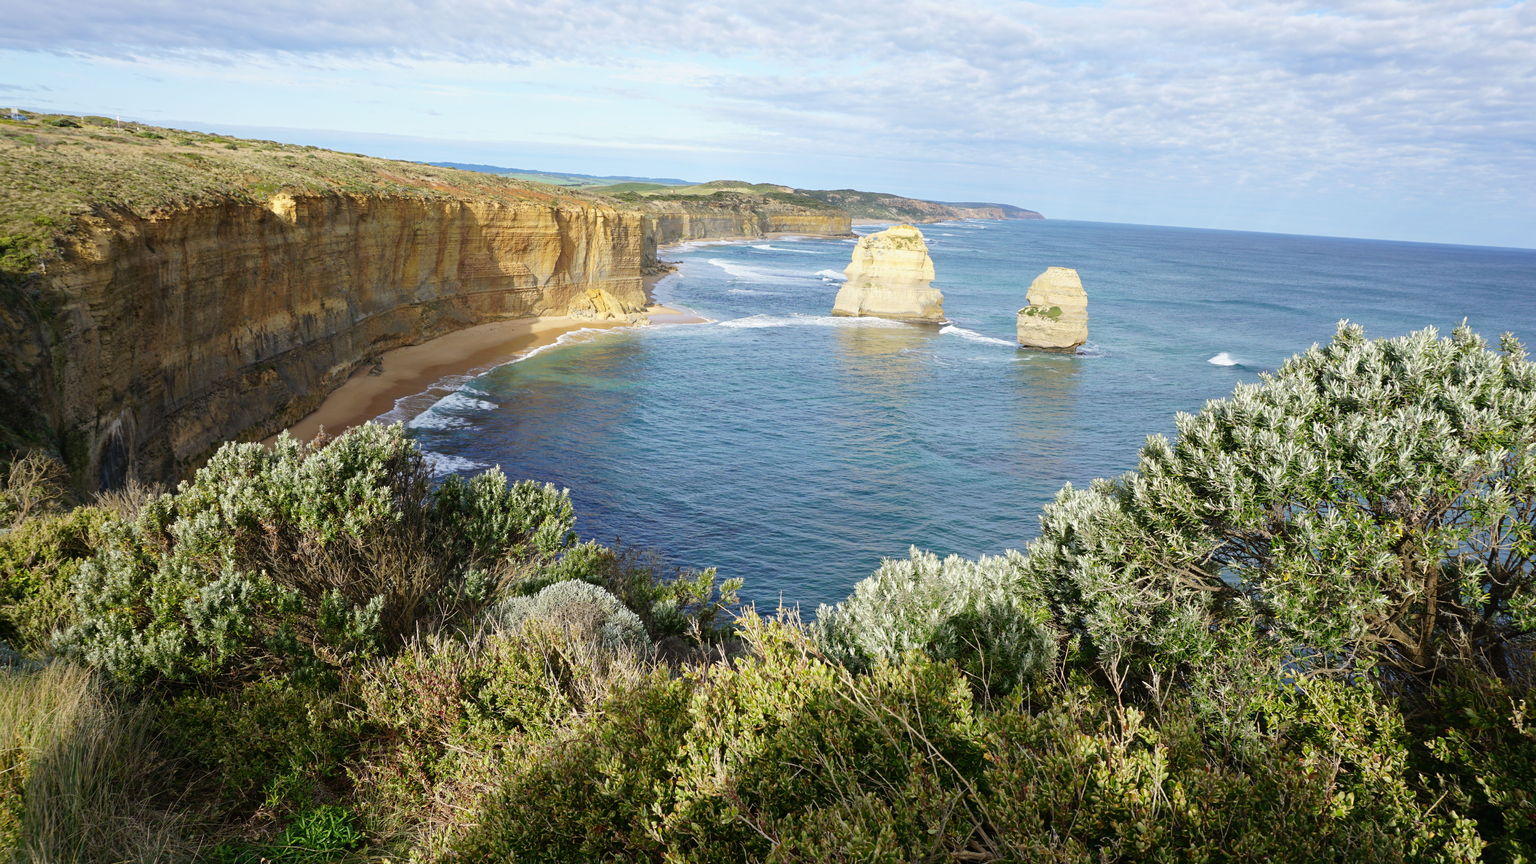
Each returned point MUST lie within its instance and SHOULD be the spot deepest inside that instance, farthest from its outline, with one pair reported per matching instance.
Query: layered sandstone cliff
(1056, 318)
(732, 217)
(179, 329)
(891, 276)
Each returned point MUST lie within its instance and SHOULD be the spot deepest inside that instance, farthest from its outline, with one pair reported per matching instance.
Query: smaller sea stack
(890, 276)
(1056, 318)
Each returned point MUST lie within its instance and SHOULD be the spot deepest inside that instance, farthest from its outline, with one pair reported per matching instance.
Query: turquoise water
(796, 450)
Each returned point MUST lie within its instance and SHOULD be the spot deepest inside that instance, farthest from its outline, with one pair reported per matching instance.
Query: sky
(1393, 119)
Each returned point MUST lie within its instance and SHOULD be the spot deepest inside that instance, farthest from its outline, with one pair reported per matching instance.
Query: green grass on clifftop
(56, 169)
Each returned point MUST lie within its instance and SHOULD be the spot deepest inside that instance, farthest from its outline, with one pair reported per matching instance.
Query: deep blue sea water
(796, 450)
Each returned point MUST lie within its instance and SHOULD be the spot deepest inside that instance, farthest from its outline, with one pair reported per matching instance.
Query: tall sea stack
(1056, 318)
(889, 277)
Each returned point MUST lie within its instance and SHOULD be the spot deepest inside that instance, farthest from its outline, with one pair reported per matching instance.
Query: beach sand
(413, 369)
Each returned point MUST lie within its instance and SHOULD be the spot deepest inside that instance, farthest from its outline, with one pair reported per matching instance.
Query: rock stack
(1056, 318)
(889, 277)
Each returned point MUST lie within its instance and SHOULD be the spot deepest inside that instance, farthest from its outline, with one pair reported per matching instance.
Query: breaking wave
(443, 464)
(758, 322)
(973, 336)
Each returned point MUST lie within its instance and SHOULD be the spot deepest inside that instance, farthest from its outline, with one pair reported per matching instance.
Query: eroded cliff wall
(165, 334)
(703, 219)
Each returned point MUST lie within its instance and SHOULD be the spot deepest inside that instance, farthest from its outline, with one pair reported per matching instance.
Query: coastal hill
(858, 205)
(559, 178)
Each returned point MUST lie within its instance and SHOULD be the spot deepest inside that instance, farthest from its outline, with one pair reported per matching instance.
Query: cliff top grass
(56, 169)
(714, 190)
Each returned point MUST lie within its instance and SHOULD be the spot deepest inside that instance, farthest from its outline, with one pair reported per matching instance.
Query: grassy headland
(57, 169)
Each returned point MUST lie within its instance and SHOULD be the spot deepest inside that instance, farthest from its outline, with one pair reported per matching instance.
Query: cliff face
(890, 276)
(735, 217)
(167, 333)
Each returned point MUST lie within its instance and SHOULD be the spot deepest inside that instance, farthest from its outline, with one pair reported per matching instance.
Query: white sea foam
(758, 322)
(770, 248)
(752, 274)
(832, 275)
(430, 419)
(462, 401)
(690, 245)
(443, 464)
(753, 292)
(973, 336)
(1224, 359)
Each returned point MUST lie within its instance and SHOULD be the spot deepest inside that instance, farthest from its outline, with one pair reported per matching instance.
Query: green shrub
(1370, 504)
(446, 712)
(301, 560)
(780, 756)
(39, 558)
(1480, 739)
(270, 745)
(325, 834)
(580, 609)
(1329, 780)
(691, 603)
(980, 614)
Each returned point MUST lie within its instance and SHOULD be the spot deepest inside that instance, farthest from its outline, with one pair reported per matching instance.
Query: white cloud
(1292, 94)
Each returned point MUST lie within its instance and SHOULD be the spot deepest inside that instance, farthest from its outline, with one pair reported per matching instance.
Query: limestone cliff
(171, 331)
(890, 276)
(725, 216)
(1056, 318)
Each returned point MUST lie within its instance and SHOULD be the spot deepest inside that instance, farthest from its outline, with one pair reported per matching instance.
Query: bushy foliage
(1480, 739)
(1372, 504)
(446, 713)
(270, 745)
(322, 835)
(1328, 780)
(746, 762)
(1320, 593)
(39, 557)
(302, 559)
(981, 614)
(580, 609)
(692, 604)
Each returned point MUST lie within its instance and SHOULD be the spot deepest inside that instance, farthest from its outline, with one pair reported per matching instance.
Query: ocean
(796, 450)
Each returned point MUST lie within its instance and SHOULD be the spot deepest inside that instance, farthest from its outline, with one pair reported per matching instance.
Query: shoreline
(413, 369)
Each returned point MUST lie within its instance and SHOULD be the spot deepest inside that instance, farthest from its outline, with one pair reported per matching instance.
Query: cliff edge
(166, 291)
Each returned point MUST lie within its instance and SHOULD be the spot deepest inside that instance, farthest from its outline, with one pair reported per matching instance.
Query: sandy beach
(413, 369)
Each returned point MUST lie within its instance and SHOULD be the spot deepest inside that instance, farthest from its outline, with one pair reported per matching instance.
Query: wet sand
(413, 369)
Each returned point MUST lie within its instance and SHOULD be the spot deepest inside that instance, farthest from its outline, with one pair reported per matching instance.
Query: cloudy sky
(1398, 119)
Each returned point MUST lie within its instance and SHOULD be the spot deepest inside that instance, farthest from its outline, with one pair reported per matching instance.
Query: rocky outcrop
(890, 276)
(163, 334)
(1056, 318)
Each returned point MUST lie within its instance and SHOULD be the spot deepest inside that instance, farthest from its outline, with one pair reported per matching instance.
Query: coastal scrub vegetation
(1300, 631)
